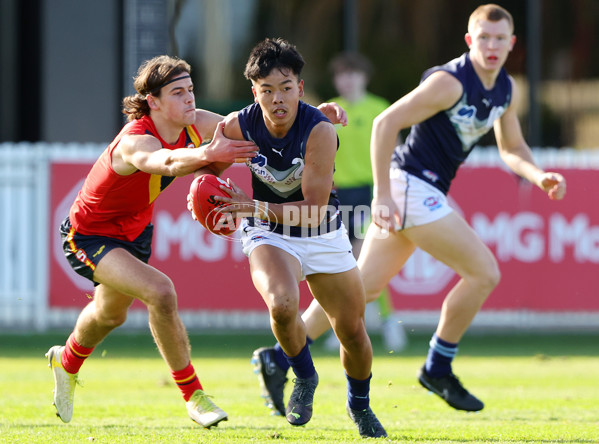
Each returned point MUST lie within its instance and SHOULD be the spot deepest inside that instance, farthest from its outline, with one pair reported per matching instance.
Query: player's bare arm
(145, 153)
(317, 177)
(438, 92)
(516, 153)
(208, 119)
(227, 150)
(231, 131)
(206, 122)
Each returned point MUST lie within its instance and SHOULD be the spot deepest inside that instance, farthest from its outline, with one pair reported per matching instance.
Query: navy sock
(302, 364)
(439, 358)
(357, 393)
(280, 357)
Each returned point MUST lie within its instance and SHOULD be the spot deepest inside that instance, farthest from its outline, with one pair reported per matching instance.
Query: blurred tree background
(55, 52)
(403, 38)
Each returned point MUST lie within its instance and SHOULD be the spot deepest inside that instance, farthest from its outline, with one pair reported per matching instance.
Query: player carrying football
(295, 232)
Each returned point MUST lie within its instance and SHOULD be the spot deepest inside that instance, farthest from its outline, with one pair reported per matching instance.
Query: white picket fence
(24, 202)
(24, 244)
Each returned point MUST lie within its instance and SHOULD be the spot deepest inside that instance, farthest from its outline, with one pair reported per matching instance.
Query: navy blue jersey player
(437, 146)
(294, 232)
(452, 108)
(278, 168)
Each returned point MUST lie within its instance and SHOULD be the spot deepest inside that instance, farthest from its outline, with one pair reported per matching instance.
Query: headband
(158, 88)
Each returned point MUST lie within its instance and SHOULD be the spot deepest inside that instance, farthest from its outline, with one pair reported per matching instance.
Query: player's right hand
(553, 184)
(385, 214)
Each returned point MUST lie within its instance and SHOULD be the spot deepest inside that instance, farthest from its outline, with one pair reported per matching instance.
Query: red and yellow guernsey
(121, 206)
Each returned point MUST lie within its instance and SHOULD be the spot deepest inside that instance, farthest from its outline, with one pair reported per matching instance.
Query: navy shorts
(355, 202)
(84, 252)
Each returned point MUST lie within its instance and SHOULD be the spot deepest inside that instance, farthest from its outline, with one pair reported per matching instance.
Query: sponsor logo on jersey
(282, 183)
(433, 177)
(464, 115)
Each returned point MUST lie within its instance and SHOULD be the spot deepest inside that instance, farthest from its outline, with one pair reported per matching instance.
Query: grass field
(537, 389)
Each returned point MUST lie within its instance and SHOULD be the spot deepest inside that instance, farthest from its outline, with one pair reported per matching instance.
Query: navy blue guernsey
(278, 167)
(436, 147)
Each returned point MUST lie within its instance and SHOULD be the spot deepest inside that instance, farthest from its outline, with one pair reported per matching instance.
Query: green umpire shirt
(352, 163)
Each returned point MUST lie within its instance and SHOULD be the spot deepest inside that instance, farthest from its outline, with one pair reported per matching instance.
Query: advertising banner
(548, 251)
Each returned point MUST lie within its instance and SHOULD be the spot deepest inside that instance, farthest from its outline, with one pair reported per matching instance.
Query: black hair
(272, 54)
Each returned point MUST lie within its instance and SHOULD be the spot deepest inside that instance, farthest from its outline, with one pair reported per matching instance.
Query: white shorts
(328, 253)
(418, 202)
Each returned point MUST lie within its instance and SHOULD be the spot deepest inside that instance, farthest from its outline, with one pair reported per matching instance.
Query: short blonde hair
(492, 13)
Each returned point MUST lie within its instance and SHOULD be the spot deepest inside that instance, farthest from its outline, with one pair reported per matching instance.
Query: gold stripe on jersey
(155, 186)
(194, 136)
(157, 182)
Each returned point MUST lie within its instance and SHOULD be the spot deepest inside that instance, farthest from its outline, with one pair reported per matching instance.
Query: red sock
(187, 381)
(73, 355)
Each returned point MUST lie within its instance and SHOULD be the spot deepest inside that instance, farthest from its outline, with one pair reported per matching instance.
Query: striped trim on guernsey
(79, 254)
(159, 183)
(195, 137)
(155, 186)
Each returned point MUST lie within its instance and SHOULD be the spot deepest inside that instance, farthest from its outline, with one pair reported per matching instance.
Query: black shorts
(350, 198)
(84, 252)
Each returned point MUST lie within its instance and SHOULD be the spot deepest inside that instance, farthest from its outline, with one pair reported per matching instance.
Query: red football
(207, 209)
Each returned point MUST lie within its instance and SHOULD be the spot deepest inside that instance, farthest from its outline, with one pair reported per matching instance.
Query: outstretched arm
(145, 153)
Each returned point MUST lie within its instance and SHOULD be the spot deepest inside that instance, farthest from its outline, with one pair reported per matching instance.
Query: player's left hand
(240, 204)
(334, 113)
(553, 184)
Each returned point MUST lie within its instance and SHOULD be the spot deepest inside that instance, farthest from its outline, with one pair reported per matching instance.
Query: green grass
(537, 389)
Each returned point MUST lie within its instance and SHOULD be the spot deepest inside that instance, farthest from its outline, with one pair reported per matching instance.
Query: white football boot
(203, 411)
(64, 384)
